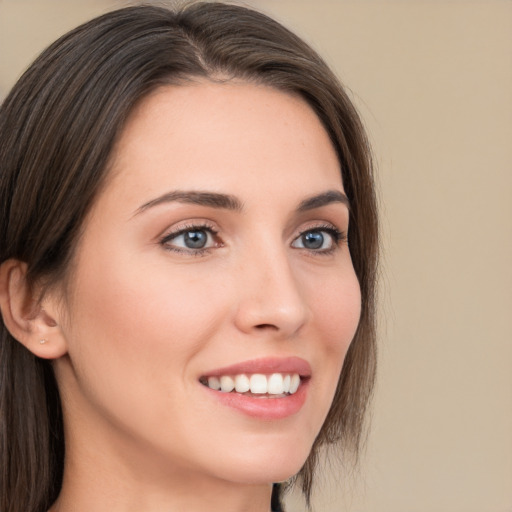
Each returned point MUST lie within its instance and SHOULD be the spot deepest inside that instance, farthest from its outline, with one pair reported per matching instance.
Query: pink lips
(264, 408)
(266, 366)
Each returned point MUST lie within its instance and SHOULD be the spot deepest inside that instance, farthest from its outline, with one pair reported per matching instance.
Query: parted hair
(58, 128)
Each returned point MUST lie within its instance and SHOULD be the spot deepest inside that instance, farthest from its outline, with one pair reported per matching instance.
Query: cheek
(134, 340)
(132, 332)
(336, 312)
(140, 314)
(336, 308)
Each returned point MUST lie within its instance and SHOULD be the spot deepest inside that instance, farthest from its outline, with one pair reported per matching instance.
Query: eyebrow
(229, 202)
(211, 199)
(331, 196)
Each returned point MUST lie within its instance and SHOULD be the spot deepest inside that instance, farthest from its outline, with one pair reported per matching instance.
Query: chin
(267, 465)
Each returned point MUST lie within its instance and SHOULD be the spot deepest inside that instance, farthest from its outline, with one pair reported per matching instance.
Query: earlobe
(34, 326)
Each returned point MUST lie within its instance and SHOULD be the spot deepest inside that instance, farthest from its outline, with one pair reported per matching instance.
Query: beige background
(433, 80)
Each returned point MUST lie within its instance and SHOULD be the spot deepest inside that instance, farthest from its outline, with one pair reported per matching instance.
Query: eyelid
(318, 226)
(189, 225)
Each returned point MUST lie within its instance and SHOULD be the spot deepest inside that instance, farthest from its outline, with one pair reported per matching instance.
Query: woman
(187, 310)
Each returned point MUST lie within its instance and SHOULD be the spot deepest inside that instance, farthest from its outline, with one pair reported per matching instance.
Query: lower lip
(263, 408)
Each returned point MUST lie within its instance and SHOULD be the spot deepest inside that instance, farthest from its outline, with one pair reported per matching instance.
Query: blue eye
(323, 239)
(313, 240)
(193, 239)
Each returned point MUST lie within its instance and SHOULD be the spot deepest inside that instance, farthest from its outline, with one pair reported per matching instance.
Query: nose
(271, 298)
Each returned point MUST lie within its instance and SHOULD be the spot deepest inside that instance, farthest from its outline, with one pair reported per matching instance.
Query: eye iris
(313, 240)
(195, 239)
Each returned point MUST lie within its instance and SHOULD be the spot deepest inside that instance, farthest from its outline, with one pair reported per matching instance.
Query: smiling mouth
(257, 385)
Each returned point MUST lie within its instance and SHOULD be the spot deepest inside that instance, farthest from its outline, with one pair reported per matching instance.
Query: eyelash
(338, 237)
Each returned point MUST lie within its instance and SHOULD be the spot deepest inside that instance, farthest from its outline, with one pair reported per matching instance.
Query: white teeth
(242, 383)
(227, 384)
(286, 384)
(275, 384)
(214, 383)
(294, 383)
(258, 384)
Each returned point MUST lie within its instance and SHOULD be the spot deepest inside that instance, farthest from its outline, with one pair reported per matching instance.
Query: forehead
(210, 134)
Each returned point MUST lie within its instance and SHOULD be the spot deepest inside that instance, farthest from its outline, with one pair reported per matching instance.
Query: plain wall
(433, 82)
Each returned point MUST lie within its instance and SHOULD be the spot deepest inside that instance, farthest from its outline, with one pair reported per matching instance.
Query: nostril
(267, 326)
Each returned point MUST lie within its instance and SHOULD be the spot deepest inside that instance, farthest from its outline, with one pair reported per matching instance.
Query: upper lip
(265, 365)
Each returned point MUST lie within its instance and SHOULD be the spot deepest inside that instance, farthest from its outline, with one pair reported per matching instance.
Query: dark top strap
(275, 503)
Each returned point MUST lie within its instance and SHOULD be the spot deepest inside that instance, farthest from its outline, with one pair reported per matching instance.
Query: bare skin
(149, 311)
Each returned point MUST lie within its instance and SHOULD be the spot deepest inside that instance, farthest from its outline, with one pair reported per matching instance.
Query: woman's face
(215, 254)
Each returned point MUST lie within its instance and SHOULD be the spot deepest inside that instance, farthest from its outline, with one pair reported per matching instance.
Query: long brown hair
(58, 127)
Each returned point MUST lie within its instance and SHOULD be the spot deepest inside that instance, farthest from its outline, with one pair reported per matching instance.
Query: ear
(32, 322)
